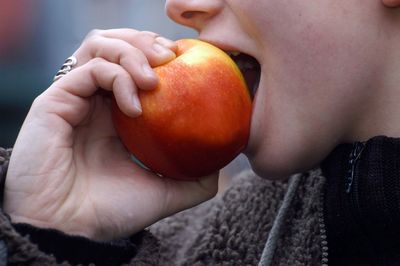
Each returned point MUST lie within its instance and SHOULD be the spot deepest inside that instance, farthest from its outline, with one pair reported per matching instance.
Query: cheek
(318, 59)
(314, 75)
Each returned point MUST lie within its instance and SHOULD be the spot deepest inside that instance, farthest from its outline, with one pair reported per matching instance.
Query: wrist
(5, 155)
(67, 229)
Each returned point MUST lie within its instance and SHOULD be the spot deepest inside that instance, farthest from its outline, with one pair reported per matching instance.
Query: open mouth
(250, 69)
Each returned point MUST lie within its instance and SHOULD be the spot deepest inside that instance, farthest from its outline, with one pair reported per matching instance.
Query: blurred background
(36, 36)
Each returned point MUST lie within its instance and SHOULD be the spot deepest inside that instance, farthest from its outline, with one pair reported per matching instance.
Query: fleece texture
(230, 229)
(233, 229)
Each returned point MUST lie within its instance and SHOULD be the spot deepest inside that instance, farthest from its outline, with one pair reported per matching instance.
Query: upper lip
(227, 47)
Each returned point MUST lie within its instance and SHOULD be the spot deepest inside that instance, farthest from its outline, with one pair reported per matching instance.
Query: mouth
(250, 68)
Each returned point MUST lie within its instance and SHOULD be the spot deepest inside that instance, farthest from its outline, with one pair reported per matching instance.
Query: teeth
(234, 53)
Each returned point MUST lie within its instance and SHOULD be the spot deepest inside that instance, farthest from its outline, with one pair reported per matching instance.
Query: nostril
(188, 14)
(192, 14)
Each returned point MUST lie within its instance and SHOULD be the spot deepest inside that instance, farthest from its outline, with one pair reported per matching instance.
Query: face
(317, 58)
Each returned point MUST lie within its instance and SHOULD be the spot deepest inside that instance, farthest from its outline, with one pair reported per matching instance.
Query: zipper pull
(355, 154)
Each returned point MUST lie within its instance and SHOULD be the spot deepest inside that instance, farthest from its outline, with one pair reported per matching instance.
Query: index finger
(157, 49)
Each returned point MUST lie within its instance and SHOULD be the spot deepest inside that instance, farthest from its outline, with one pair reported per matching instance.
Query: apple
(196, 121)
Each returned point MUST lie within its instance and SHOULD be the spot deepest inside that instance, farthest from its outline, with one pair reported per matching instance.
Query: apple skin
(196, 121)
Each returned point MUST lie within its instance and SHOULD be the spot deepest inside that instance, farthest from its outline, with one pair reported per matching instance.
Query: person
(325, 113)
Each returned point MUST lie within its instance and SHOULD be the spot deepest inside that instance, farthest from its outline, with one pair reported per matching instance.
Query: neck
(380, 113)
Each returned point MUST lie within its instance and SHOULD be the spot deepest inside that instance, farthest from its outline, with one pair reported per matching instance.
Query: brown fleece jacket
(231, 229)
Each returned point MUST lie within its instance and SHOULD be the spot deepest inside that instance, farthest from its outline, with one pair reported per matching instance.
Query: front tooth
(234, 53)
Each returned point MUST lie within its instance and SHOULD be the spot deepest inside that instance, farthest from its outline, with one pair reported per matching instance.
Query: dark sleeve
(81, 250)
(5, 155)
(24, 244)
(362, 203)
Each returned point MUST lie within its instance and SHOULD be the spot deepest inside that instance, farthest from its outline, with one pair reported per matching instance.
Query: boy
(328, 76)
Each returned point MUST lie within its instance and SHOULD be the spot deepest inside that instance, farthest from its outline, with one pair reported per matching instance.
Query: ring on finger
(69, 63)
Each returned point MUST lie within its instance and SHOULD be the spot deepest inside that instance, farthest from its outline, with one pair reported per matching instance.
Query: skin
(329, 72)
(329, 75)
(77, 177)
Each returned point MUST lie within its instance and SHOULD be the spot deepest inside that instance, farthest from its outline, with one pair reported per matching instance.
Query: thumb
(182, 195)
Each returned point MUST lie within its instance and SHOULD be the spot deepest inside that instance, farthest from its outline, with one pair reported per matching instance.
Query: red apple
(198, 118)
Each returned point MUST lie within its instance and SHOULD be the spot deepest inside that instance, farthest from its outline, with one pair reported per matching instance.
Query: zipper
(350, 185)
(352, 189)
(355, 154)
(322, 230)
(353, 192)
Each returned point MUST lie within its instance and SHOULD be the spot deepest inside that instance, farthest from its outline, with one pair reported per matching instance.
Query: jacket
(345, 212)
(255, 221)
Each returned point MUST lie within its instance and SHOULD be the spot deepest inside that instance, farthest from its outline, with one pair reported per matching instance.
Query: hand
(69, 170)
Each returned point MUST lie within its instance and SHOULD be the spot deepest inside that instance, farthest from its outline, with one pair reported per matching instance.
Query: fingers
(129, 57)
(157, 49)
(67, 97)
(185, 194)
(118, 60)
(136, 51)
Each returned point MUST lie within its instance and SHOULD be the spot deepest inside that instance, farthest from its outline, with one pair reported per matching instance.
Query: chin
(271, 172)
(278, 167)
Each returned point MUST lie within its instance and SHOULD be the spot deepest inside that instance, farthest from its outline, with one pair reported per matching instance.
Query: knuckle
(132, 54)
(131, 31)
(96, 61)
(150, 34)
(144, 38)
(94, 32)
(99, 66)
(96, 65)
(40, 102)
(126, 48)
(127, 53)
(91, 41)
(88, 43)
(37, 101)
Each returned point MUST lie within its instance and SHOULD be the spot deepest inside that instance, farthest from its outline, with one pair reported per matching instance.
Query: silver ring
(69, 63)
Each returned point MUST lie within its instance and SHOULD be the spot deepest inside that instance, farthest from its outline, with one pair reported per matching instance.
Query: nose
(193, 13)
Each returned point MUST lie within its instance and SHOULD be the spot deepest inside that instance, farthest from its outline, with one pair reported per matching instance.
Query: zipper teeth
(355, 154)
(322, 230)
(358, 149)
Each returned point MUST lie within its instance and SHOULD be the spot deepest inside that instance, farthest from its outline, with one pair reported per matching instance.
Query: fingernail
(136, 104)
(164, 41)
(160, 49)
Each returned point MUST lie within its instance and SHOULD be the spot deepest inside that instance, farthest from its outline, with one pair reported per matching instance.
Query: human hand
(69, 170)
